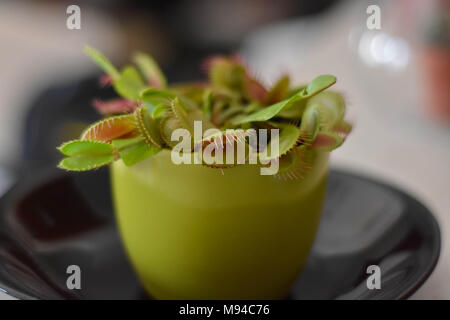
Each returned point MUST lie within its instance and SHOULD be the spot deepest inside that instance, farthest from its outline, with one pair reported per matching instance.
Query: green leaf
(102, 61)
(152, 97)
(295, 111)
(80, 147)
(287, 138)
(147, 127)
(130, 84)
(134, 150)
(85, 155)
(317, 85)
(269, 112)
(150, 70)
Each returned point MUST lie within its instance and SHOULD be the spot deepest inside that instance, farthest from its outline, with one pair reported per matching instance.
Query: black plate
(56, 219)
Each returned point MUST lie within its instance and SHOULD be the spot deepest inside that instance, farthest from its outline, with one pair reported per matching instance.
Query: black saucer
(54, 219)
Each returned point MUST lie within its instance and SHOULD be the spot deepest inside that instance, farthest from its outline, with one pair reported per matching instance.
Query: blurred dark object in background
(180, 34)
(59, 113)
(435, 60)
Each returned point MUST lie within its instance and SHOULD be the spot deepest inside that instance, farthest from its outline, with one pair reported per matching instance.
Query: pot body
(192, 232)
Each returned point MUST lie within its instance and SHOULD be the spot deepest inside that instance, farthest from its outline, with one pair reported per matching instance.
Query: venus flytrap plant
(141, 122)
(231, 122)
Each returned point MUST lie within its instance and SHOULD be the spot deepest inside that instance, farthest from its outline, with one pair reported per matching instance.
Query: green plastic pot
(192, 232)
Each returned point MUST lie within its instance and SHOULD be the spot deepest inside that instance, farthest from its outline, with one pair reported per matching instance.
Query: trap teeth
(295, 164)
(220, 142)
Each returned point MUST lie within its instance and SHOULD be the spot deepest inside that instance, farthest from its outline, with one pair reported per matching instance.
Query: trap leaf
(309, 126)
(278, 92)
(134, 150)
(147, 127)
(327, 141)
(331, 108)
(317, 85)
(150, 69)
(130, 84)
(253, 89)
(166, 127)
(85, 155)
(114, 106)
(215, 149)
(186, 118)
(343, 128)
(152, 97)
(287, 138)
(80, 147)
(85, 163)
(102, 61)
(295, 164)
(227, 73)
(160, 110)
(110, 128)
